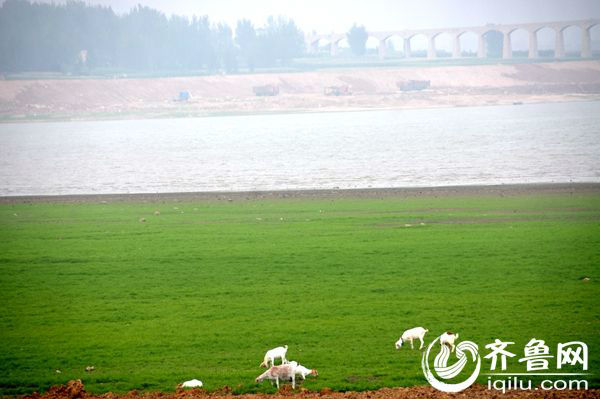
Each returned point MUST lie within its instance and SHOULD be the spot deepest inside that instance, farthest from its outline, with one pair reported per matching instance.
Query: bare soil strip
(75, 389)
(400, 192)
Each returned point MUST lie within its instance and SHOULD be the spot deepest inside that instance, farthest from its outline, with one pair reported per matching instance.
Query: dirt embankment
(76, 390)
(298, 92)
(329, 194)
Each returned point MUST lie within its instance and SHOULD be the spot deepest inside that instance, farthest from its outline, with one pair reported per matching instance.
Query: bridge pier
(407, 48)
(506, 46)
(381, 49)
(559, 44)
(431, 53)
(456, 47)
(481, 46)
(586, 43)
(533, 44)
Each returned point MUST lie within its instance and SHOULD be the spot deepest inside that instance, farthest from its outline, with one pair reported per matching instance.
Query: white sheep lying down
(274, 353)
(191, 384)
(411, 335)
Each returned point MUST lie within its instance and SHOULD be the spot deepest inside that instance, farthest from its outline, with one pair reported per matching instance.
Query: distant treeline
(75, 37)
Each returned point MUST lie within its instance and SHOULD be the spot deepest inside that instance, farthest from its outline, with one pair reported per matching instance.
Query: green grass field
(204, 289)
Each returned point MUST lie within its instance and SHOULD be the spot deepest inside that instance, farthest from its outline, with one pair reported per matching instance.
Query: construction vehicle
(266, 90)
(338, 90)
(413, 85)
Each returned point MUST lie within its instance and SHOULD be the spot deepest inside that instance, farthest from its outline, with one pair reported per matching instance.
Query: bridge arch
(319, 45)
(372, 45)
(468, 43)
(572, 35)
(395, 46)
(443, 44)
(418, 44)
(494, 44)
(343, 47)
(546, 40)
(519, 42)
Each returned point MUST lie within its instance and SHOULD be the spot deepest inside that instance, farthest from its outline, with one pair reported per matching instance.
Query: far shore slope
(372, 88)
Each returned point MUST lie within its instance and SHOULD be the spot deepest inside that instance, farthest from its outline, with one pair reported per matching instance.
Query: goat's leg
(421, 338)
(411, 344)
(277, 381)
(294, 381)
(453, 347)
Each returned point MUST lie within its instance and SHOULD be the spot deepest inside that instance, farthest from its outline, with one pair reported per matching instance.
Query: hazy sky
(325, 16)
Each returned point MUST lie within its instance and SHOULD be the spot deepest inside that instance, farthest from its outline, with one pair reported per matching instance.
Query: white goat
(303, 371)
(411, 335)
(274, 353)
(448, 338)
(284, 372)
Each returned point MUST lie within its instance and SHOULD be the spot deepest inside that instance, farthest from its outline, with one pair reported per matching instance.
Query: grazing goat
(284, 372)
(303, 371)
(274, 353)
(448, 338)
(411, 335)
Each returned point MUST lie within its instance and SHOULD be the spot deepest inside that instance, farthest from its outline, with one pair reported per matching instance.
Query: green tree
(357, 39)
(73, 36)
(280, 40)
(246, 39)
(224, 49)
(143, 40)
(201, 51)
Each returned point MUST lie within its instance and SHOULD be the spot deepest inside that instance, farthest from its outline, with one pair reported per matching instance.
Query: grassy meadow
(203, 289)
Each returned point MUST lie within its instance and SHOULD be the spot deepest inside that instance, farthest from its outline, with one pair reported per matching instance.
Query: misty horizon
(377, 15)
(383, 15)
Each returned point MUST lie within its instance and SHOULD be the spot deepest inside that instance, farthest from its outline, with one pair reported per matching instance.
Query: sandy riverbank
(372, 88)
(333, 194)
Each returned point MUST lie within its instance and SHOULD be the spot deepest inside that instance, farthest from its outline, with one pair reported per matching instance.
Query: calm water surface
(400, 148)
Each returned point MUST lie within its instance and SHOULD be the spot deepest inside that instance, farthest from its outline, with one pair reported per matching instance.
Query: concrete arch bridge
(455, 33)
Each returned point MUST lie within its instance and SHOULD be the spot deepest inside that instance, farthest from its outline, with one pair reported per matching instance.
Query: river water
(558, 142)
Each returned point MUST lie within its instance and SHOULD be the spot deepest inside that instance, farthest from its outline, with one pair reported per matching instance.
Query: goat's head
(314, 372)
(399, 343)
